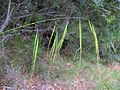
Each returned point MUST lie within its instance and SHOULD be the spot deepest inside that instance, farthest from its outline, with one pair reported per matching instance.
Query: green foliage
(98, 2)
(101, 17)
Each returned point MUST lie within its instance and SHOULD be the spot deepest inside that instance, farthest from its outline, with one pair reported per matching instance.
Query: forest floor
(65, 74)
(88, 77)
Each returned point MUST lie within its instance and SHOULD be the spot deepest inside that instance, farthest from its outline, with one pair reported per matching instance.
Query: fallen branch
(9, 13)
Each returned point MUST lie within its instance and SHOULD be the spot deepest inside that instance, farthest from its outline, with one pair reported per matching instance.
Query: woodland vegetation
(59, 44)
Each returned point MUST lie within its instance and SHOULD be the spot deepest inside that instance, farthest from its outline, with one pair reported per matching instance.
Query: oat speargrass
(35, 52)
(53, 31)
(60, 43)
(80, 40)
(92, 29)
(53, 49)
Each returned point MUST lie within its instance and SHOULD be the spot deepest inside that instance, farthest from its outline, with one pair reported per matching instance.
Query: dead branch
(9, 13)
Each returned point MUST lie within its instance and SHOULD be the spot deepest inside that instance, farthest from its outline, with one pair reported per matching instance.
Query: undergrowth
(31, 57)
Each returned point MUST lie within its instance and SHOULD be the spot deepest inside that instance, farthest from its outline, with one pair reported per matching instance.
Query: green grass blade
(63, 36)
(53, 49)
(52, 35)
(80, 40)
(60, 43)
(35, 51)
(92, 29)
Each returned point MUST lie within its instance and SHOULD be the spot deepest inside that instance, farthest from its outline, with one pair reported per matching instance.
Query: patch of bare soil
(115, 66)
